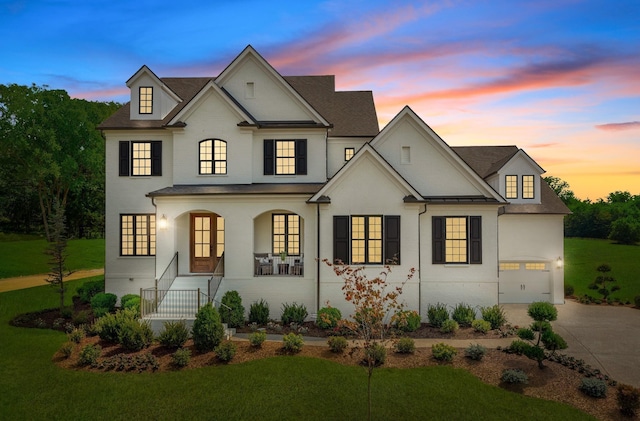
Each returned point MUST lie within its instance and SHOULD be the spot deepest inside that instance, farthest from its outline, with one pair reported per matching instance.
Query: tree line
(51, 152)
(616, 218)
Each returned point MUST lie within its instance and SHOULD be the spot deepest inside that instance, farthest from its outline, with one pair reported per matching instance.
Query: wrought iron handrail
(216, 278)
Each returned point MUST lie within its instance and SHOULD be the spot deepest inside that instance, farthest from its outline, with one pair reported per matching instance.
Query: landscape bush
(293, 313)
(405, 346)
(443, 352)
(337, 344)
(449, 326)
(103, 303)
(90, 288)
(494, 315)
(108, 326)
(591, 386)
(135, 334)
(226, 351)
(259, 312)
(540, 335)
(80, 318)
(475, 351)
(482, 326)
(234, 315)
(181, 357)
(256, 339)
(67, 349)
(407, 320)
(207, 331)
(514, 376)
(375, 354)
(628, 398)
(292, 342)
(89, 355)
(76, 335)
(130, 301)
(328, 317)
(437, 314)
(464, 314)
(174, 334)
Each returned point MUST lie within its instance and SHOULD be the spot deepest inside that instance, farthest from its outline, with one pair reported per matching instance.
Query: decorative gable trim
(522, 154)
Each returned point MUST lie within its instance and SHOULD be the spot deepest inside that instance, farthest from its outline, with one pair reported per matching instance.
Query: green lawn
(583, 256)
(26, 257)
(277, 388)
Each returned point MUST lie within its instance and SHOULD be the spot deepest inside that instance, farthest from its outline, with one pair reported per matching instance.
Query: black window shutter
(301, 157)
(269, 161)
(156, 158)
(438, 236)
(392, 239)
(341, 239)
(475, 236)
(124, 158)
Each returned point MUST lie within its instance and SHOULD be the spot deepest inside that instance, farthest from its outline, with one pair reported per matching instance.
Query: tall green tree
(50, 150)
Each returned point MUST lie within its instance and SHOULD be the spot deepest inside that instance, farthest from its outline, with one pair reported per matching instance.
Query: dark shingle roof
(237, 189)
(352, 113)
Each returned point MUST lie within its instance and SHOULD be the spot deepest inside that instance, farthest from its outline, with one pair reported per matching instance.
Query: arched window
(213, 156)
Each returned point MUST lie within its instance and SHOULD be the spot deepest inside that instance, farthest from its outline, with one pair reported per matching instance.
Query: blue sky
(560, 79)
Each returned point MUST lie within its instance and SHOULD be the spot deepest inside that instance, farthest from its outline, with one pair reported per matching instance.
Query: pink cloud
(614, 127)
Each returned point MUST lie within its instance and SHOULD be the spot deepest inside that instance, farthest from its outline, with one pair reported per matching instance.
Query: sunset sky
(560, 79)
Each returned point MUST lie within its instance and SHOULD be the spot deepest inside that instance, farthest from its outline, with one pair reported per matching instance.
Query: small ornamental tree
(602, 280)
(374, 302)
(57, 250)
(540, 335)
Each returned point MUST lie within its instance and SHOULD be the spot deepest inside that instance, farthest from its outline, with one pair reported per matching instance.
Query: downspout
(420, 260)
(317, 257)
(155, 256)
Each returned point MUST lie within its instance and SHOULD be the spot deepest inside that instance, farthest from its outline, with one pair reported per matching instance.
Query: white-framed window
(213, 156)
(146, 100)
(348, 153)
(511, 186)
(528, 187)
(137, 235)
(286, 234)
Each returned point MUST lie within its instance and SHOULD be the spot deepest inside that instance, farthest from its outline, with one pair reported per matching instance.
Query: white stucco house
(221, 175)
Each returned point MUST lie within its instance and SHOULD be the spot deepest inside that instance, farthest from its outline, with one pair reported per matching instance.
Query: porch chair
(263, 264)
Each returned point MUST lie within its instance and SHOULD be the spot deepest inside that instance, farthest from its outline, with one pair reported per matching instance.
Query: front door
(203, 246)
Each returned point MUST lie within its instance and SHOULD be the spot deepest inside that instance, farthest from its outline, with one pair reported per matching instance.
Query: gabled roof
(550, 204)
(237, 189)
(364, 151)
(144, 70)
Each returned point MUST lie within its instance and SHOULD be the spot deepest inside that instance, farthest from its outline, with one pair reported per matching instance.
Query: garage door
(524, 282)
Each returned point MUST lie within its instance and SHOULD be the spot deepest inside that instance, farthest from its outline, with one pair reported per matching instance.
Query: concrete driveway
(605, 337)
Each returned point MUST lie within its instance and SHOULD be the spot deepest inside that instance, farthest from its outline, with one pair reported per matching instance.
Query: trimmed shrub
(514, 376)
(337, 344)
(174, 334)
(328, 317)
(88, 289)
(259, 312)
(375, 354)
(234, 315)
(593, 387)
(449, 326)
(207, 329)
(135, 335)
(293, 313)
(226, 351)
(89, 354)
(464, 314)
(76, 335)
(443, 352)
(481, 326)
(109, 325)
(437, 314)
(494, 315)
(104, 301)
(406, 346)
(292, 342)
(542, 311)
(518, 347)
(181, 357)
(475, 351)
(66, 349)
(407, 321)
(628, 398)
(130, 301)
(257, 338)
(80, 318)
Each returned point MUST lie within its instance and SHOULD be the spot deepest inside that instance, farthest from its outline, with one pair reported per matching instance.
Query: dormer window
(146, 100)
(348, 153)
(528, 191)
(511, 186)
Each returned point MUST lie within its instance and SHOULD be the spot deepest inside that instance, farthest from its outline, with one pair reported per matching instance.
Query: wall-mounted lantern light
(559, 262)
(163, 222)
